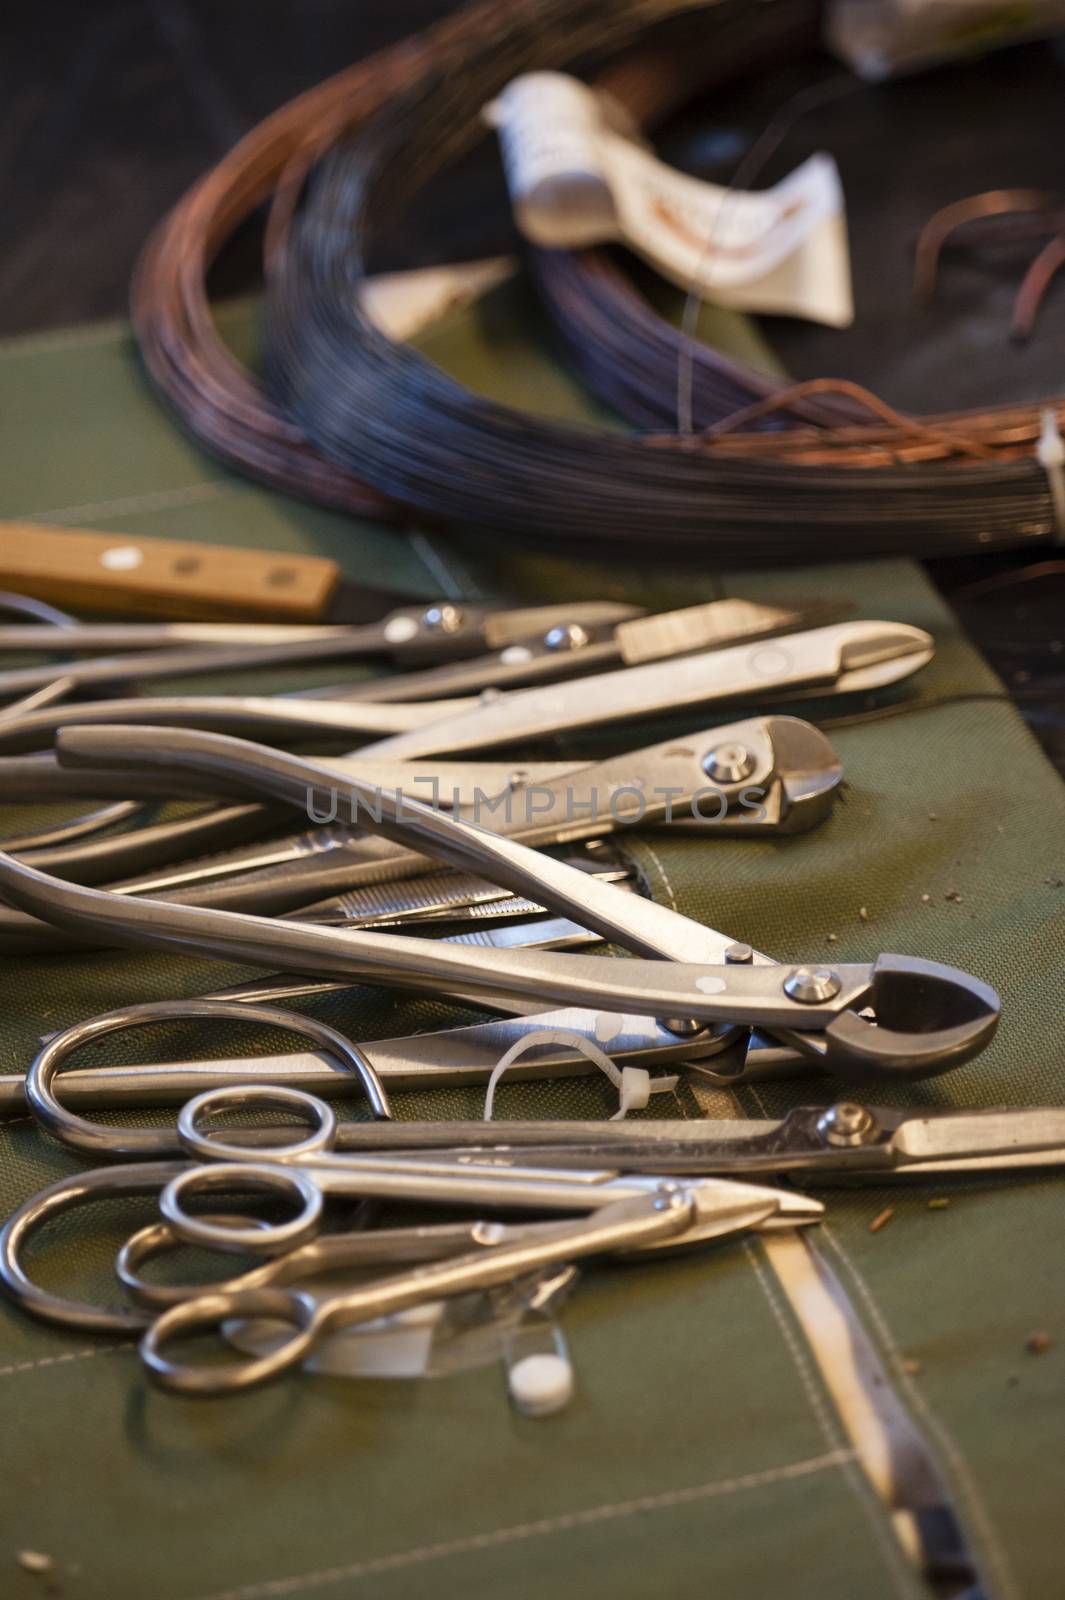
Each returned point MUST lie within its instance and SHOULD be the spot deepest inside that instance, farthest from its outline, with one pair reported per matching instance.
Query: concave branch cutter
(900, 1015)
(766, 775)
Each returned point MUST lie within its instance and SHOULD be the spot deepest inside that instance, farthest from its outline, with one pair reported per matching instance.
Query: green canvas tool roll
(704, 1452)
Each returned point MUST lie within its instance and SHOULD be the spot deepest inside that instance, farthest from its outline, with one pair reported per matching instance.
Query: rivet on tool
(570, 637)
(845, 1123)
(729, 763)
(443, 618)
(811, 986)
(739, 954)
(668, 1195)
(683, 1027)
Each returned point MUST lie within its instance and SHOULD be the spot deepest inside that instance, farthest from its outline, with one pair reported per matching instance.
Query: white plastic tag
(576, 179)
(635, 1085)
(396, 1346)
(403, 303)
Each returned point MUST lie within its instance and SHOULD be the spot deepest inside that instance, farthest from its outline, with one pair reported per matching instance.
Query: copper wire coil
(761, 462)
(217, 398)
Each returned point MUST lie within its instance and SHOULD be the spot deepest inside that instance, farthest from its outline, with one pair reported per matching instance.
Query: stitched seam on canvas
(61, 1360)
(979, 1516)
(129, 505)
(856, 1479)
(533, 1530)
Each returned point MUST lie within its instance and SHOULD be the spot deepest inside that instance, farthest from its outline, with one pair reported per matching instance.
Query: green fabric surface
(702, 1453)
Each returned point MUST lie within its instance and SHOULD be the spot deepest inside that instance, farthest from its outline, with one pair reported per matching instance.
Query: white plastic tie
(635, 1085)
(1050, 453)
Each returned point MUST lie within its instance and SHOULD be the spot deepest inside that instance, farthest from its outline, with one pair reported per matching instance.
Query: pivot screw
(739, 955)
(845, 1123)
(444, 618)
(683, 1027)
(812, 986)
(729, 763)
(570, 637)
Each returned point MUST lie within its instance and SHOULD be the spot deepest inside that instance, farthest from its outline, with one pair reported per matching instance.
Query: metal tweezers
(900, 1015)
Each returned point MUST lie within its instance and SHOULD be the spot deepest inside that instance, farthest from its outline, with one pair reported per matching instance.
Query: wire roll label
(577, 176)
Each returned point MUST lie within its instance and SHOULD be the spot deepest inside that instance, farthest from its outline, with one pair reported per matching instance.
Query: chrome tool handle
(640, 925)
(280, 718)
(729, 993)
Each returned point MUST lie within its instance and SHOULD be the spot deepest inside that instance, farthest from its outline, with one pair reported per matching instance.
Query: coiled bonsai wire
(381, 409)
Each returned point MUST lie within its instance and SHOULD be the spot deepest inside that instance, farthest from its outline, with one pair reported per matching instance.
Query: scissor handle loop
(69, 1194)
(160, 1239)
(256, 1096)
(256, 1237)
(212, 1311)
(111, 1144)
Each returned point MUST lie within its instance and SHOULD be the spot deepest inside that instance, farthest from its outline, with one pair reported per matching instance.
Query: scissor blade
(719, 1219)
(778, 1207)
(695, 1146)
(971, 1141)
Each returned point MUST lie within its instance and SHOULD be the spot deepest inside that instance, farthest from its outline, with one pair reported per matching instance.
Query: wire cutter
(843, 658)
(766, 775)
(900, 1015)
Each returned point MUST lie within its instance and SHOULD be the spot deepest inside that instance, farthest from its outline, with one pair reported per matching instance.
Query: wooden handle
(167, 577)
